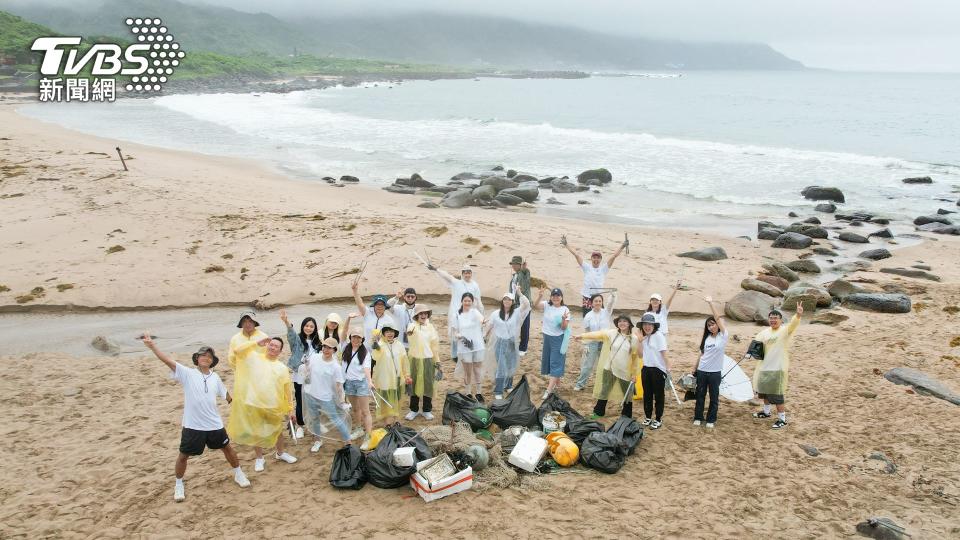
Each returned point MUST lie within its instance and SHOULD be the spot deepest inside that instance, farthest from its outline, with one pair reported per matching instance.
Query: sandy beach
(92, 439)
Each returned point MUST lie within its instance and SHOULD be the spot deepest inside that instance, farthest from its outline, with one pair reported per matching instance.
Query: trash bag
(756, 349)
(349, 469)
(630, 432)
(380, 468)
(460, 408)
(556, 403)
(603, 452)
(516, 409)
(580, 429)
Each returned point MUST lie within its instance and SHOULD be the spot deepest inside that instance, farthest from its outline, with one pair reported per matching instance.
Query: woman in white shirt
(466, 324)
(653, 375)
(661, 309)
(556, 320)
(708, 367)
(597, 319)
(358, 379)
(458, 287)
(323, 398)
(504, 325)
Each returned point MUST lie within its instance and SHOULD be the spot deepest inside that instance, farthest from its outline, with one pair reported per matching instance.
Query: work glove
(431, 267)
(563, 239)
(437, 372)
(468, 343)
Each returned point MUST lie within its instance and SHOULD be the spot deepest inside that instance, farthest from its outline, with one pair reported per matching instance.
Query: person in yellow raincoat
(770, 377)
(262, 398)
(248, 333)
(389, 372)
(424, 362)
(616, 367)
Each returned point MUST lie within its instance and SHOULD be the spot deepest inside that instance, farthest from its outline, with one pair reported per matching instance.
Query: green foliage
(202, 64)
(16, 36)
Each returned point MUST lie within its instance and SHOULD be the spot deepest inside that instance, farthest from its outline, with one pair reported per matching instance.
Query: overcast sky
(872, 35)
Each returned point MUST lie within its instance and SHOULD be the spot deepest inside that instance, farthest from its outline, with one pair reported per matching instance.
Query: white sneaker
(356, 434)
(366, 444)
(258, 464)
(522, 353)
(697, 423)
(646, 422)
(241, 479)
(411, 415)
(498, 396)
(299, 432)
(285, 457)
(428, 416)
(316, 446)
(546, 395)
(178, 494)
(709, 425)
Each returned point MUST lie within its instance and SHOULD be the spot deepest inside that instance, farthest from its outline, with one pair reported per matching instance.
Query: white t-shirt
(711, 360)
(470, 326)
(354, 371)
(324, 377)
(457, 288)
(505, 329)
(371, 323)
(200, 405)
(309, 353)
(593, 278)
(653, 347)
(403, 314)
(597, 320)
(662, 318)
(553, 317)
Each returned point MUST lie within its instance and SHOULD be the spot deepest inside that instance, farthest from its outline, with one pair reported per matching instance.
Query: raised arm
(396, 299)
(362, 309)
(672, 295)
(716, 314)
(538, 303)
(795, 320)
(564, 243)
(148, 341)
(616, 254)
(599, 335)
(445, 276)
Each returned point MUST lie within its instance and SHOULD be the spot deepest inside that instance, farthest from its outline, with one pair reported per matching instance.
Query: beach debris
(115, 249)
(705, 254)
(61, 287)
(749, 306)
(104, 345)
(122, 161)
(792, 240)
(889, 466)
(907, 272)
(918, 180)
(921, 382)
(881, 528)
(811, 450)
(820, 193)
(751, 284)
(436, 231)
(212, 269)
(71, 391)
(804, 265)
(4, 288)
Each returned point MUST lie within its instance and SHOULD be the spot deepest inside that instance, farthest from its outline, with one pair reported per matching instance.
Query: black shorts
(774, 399)
(192, 441)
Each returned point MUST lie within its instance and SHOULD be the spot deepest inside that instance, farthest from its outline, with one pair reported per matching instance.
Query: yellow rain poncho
(389, 374)
(262, 396)
(618, 363)
(770, 376)
(241, 340)
(422, 357)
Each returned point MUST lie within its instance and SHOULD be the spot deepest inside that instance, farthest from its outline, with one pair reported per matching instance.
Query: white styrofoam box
(404, 457)
(528, 452)
(460, 481)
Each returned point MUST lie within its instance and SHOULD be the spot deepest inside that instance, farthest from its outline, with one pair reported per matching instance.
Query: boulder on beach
(827, 252)
(522, 177)
(918, 180)
(842, 288)
(749, 306)
(415, 180)
(856, 216)
(761, 225)
(485, 193)
(878, 302)
(104, 345)
(819, 294)
(826, 208)
(507, 199)
(559, 185)
(855, 238)
(499, 183)
(806, 229)
(776, 281)
(553, 200)
(349, 179)
(923, 220)
(922, 383)
(791, 300)
(829, 319)
(939, 228)
(428, 204)
(527, 192)
(595, 177)
(820, 193)
(910, 272)
(465, 176)
(813, 220)
(876, 254)
(497, 168)
(751, 284)
(944, 211)
(458, 199)
(882, 233)
(780, 269)
(805, 266)
(852, 266)
(705, 254)
(769, 233)
(792, 240)
(879, 221)
(511, 173)
(403, 190)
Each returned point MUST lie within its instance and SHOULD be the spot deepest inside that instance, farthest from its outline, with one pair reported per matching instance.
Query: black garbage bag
(380, 468)
(556, 403)
(603, 452)
(516, 408)
(630, 432)
(578, 430)
(460, 408)
(349, 469)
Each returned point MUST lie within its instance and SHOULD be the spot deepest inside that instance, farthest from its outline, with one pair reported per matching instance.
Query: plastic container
(431, 491)
(528, 452)
(554, 421)
(404, 457)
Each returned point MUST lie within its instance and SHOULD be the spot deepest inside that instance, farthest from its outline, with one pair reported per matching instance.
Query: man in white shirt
(594, 272)
(402, 307)
(202, 425)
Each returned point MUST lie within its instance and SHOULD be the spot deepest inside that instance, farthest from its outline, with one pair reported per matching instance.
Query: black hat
(649, 318)
(556, 292)
(409, 290)
(207, 350)
(247, 315)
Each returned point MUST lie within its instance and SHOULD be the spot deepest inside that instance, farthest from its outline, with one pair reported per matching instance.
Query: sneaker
(697, 423)
(258, 465)
(316, 446)
(646, 422)
(522, 353)
(480, 398)
(594, 416)
(356, 434)
(577, 388)
(761, 414)
(498, 396)
(779, 424)
(428, 416)
(299, 432)
(366, 444)
(709, 425)
(285, 457)
(411, 415)
(655, 424)
(178, 494)
(546, 395)
(241, 479)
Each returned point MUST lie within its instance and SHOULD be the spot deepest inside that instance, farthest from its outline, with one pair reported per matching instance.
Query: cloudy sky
(869, 35)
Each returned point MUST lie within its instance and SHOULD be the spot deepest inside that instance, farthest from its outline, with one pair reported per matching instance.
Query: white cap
(466, 268)
(656, 296)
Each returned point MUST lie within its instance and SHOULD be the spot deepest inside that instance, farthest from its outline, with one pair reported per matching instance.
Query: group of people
(336, 373)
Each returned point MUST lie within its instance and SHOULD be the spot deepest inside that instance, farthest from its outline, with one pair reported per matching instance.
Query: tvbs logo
(148, 62)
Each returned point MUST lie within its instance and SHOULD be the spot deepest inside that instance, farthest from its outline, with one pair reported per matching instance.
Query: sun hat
(466, 268)
(334, 317)
(378, 298)
(516, 260)
(330, 342)
(507, 295)
(247, 315)
(656, 296)
(355, 332)
(622, 317)
(389, 324)
(206, 350)
(649, 318)
(421, 308)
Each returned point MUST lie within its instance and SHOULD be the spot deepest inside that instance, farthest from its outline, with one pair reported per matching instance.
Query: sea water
(685, 149)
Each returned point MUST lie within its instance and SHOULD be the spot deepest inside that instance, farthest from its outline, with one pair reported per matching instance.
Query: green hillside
(16, 36)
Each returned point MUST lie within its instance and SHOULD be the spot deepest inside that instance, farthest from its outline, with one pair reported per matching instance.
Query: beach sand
(90, 441)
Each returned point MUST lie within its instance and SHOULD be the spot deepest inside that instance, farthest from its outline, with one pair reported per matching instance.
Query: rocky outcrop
(918, 180)
(820, 193)
(499, 183)
(458, 199)
(508, 199)
(749, 306)
(826, 208)
(595, 177)
(910, 272)
(876, 254)
(705, 254)
(776, 281)
(806, 229)
(485, 193)
(780, 269)
(853, 237)
(791, 240)
(751, 284)
(923, 220)
(821, 296)
(769, 234)
(559, 185)
(804, 266)
(878, 302)
(922, 383)
(526, 192)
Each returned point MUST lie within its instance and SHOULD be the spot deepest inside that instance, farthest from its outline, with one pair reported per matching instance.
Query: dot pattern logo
(165, 54)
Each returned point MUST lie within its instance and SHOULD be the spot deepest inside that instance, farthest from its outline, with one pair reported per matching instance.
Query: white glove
(346, 406)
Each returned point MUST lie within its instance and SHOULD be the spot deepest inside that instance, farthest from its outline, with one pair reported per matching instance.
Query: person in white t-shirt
(202, 425)
(599, 318)
(708, 367)
(556, 331)
(402, 306)
(466, 284)
(594, 272)
(467, 326)
(655, 370)
(661, 309)
(323, 397)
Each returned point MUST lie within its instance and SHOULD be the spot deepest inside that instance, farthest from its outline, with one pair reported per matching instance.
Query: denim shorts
(356, 388)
